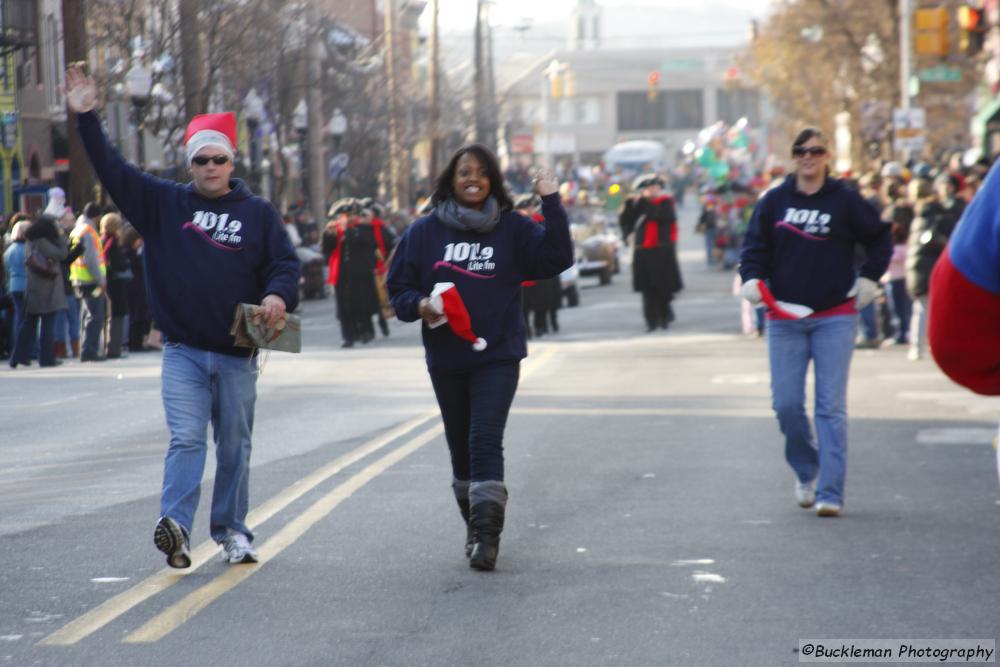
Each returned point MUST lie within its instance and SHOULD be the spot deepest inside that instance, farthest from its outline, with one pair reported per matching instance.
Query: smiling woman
(463, 266)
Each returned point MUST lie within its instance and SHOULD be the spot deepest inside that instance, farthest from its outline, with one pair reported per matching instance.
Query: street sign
(940, 74)
(908, 130)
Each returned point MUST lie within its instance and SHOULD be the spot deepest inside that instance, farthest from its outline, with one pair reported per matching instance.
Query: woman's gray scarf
(456, 216)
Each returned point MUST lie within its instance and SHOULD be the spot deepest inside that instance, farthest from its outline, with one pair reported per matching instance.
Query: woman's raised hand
(545, 183)
(80, 89)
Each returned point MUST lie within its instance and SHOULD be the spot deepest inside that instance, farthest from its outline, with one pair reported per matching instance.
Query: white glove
(865, 290)
(751, 291)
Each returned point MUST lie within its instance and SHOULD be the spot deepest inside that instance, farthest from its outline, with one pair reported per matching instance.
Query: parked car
(598, 245)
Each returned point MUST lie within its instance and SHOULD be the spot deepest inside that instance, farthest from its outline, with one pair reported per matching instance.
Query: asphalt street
(651, 518)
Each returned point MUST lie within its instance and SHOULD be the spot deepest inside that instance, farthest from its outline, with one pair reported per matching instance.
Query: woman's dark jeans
(474, 406)
(26, 339)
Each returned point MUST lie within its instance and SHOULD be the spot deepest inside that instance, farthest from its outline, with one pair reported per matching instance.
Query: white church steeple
(585, 26)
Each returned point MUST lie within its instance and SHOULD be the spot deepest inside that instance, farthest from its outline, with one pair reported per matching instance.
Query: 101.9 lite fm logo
(812, 224)
(217, 229)
(479, 260)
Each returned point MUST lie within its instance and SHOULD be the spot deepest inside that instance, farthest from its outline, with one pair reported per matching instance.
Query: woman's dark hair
(44, 227)
(443, 188)
(811, 133)
(807, 134)
(900, 233)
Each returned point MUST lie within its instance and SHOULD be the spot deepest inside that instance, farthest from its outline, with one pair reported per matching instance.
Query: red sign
(523, 144)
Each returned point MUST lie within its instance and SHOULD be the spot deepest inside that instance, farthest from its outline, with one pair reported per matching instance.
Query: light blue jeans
(68, 320)
(829, 343)
(201, 387)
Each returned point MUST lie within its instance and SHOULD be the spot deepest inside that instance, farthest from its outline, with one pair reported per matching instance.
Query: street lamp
(338, 128)
(338, 163)
(300, 121)
(138, 87)
(253, 112)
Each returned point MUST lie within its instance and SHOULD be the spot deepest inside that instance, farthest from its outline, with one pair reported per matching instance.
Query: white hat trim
(204, 138)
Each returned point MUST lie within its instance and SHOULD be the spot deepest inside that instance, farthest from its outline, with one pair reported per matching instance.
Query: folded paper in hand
(250, 331)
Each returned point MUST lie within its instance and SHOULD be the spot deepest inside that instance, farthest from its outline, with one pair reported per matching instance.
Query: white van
(635, 157)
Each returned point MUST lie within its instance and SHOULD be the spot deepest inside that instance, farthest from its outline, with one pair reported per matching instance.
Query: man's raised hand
(80, 90)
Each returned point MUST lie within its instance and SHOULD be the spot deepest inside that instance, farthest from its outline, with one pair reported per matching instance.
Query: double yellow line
(186, 608)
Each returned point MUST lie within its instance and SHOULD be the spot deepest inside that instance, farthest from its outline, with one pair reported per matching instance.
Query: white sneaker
(913, 354)
(827, 509)
(805, 493)
(236, 548)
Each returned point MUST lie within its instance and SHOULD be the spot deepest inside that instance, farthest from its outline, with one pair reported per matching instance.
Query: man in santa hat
(209, 246)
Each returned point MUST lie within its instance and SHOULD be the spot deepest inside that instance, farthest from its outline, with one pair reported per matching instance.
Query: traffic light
(569, 83)
(931, 37)
(654, 84)
(973, 29)
(556, 85)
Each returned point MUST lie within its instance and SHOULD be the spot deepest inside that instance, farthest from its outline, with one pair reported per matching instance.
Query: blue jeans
(474, 407)
(710, 234)
(829, 343)
(869, 322)
(26, 340)
(94, 314)
(68, 322)
(15, 322)
(902, 307)
(201, 387)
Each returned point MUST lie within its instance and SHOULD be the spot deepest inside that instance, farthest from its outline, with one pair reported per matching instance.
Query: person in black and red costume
(351, 248)
(541, 297)
(655, 270)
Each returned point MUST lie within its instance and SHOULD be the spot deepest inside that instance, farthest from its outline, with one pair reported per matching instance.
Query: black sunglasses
(202, 160)
(815, 151)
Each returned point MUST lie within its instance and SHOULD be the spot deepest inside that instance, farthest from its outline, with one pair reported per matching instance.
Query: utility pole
(81, 177)
(478, 83)
(314, 131)
(433, 110)
(905, 49)
(491, 93)
(192, 61)
(396, 187)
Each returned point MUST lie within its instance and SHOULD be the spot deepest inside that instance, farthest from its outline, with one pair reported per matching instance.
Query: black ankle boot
(486, 521)
(461, 489)
(463, 507)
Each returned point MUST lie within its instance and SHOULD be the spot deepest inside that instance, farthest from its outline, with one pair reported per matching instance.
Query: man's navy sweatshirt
(203, 256)
(803, 245)
(487, 270)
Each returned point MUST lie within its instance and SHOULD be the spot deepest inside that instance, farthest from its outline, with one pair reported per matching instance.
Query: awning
(981, 120)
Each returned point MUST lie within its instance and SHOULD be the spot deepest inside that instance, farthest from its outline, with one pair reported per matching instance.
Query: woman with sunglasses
(475, 241)
(799, 249)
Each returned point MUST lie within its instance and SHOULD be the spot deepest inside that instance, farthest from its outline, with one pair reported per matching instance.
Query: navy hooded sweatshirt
(803, 245)
(203, 256)
(487, 270)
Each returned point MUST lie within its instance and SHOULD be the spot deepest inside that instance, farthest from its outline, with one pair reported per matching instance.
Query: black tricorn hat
(527, 200)
(345, 205)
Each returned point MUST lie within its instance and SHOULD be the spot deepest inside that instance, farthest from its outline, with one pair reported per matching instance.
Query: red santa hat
(782, 310)
(211, 129)
(445, 299)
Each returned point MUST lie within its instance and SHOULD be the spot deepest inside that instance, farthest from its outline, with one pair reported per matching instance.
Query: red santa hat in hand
(446, 300)
(217, 130)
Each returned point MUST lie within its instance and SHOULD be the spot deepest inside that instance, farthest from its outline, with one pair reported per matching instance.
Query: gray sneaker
(171, 538)
(805, 493)
(236, 548)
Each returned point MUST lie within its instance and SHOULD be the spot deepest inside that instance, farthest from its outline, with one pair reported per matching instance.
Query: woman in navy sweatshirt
(474, 239)
(799, 251)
